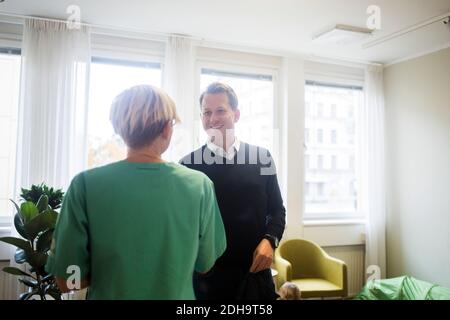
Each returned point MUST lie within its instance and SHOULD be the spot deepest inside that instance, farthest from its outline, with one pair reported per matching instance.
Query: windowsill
(5, 226)
(5, 230)
(335, 222)
(335, 232)
(5, 249)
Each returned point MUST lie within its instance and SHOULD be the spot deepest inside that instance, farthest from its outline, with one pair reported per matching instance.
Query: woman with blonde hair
(138, 228)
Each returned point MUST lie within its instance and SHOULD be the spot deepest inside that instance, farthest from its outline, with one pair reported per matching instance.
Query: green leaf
(31, 283)
(16, 205)
(42, 204)
(55, 197)
(32, 194)
(44, 241)
(16, 272)
(24, 191)
(29, 211)
(18, 223)
(41, 223)
(20, 243)
(48, 277)
(37, 260)
(20, 256)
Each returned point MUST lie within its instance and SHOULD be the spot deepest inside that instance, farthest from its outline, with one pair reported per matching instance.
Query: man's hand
(262, 257)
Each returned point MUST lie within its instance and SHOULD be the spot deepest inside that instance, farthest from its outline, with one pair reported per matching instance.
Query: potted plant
(35, 221)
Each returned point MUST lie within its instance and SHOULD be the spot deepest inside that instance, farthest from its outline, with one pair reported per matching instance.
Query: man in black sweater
(248, 195)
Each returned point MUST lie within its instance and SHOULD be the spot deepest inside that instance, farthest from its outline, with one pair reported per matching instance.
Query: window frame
(235, 68)
(338, 82)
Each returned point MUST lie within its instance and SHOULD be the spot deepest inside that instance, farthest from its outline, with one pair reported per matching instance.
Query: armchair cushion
(315, 287)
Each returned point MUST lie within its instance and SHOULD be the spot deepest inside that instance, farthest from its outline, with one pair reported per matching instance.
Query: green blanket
(402, 288)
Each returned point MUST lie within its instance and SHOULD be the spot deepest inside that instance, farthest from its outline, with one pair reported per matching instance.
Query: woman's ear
(167, 131)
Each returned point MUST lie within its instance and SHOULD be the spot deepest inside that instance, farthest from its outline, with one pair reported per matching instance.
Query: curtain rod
(100, 26)
(406, 30)
(223, 45)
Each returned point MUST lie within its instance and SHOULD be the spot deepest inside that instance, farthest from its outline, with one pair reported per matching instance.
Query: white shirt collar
(234, 148)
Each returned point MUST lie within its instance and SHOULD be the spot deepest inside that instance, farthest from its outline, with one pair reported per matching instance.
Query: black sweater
(248, 195)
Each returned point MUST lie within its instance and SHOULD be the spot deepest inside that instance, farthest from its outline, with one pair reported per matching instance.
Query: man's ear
(237, 115)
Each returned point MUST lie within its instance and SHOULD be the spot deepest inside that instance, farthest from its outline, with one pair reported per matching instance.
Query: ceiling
(285, 26)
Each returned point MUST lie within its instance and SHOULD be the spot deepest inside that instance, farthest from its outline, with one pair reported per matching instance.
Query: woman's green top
(137, 231)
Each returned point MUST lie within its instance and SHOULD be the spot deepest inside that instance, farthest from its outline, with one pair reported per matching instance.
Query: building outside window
(335, 176)
(319, 135)
(333, 136)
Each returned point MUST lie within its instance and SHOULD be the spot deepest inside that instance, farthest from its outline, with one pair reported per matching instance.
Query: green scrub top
(138, 230)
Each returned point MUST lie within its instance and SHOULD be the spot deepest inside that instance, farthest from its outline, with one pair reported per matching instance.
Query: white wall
(418, 157)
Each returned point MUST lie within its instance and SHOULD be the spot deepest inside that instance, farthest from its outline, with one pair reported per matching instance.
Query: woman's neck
(144, 155)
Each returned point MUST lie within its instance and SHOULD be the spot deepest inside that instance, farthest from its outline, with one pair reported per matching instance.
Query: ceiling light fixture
(342, 35)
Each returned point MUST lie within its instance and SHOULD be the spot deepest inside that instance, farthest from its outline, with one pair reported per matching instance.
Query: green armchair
(307, 265)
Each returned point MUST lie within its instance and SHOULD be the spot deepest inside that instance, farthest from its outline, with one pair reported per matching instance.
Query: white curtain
(372, 166)
(179, 84)
(52, 111)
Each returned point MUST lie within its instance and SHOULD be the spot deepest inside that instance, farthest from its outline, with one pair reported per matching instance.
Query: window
(307, 135)
(320, 162)
(333, 162)
(333, 136)
(320, 136)
(320, 191)
(9, 99)
(350, 111)
(308, 109)
(336, 192)
(255, 94)
(320, 109)
(333, 111)
(307, 189)
(104, 146)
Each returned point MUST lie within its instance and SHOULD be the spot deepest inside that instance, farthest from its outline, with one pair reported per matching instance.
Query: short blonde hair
(140, 113)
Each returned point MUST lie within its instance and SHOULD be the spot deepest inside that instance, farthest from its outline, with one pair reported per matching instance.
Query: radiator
(4, 277)
(6, 295)
(353, 256)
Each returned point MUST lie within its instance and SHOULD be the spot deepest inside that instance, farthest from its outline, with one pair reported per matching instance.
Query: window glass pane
(9, 95)
(108, 79)
(320, 136)
(256, 103)
(334, 136)
(331, 184)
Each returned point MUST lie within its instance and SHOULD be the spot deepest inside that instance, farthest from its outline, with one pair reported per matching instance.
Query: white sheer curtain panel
(52, 114)
(52, 110)
(372, 166)
(179, 84)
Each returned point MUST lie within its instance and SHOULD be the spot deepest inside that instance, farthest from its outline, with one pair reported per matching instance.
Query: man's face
(218, 117)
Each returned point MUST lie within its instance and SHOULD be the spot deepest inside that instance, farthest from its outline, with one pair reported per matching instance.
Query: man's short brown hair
(218, 87)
